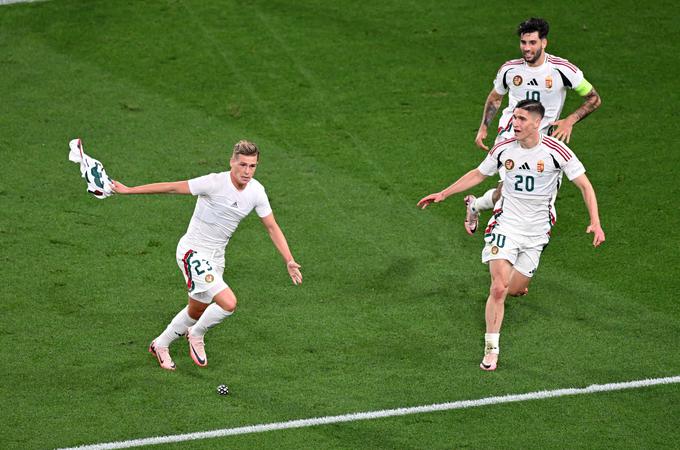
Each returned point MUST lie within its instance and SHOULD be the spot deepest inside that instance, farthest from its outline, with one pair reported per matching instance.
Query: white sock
(213, 315)
(485, 202)
(177, 328)
(491, 342)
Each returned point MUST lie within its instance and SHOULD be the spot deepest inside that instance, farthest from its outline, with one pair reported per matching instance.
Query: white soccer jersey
(530, 183)
(220, 207)
(547, 83)
(98, 182)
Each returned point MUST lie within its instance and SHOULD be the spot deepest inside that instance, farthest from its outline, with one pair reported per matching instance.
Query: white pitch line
(302, 423)
(9, 2)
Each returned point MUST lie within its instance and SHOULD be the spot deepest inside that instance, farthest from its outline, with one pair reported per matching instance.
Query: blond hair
(245, 148)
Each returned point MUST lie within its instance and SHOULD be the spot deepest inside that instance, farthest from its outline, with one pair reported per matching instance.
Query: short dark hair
(246, 148)
(534, 24)
(531, 106)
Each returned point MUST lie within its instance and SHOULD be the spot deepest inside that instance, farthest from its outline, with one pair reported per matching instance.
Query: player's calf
(518, 292)
(499, 290)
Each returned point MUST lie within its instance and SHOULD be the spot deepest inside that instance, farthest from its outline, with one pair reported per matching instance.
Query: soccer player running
(224, 199)
(520, 227)
(536, 76)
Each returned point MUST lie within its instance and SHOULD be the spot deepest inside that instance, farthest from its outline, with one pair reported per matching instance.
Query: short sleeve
(571, 75)
(499, 83)
(262, 207)
(489, 166)
(573, 168)
(204, 185)
(566, 159)
(576, 78)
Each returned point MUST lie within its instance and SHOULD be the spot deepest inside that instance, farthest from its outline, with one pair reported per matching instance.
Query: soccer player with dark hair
(224, 199)
(520, 227)
(536, 76)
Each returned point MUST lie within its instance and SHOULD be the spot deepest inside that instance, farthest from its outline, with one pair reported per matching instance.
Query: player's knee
(499, 289)
(226, 300)
(230, 306)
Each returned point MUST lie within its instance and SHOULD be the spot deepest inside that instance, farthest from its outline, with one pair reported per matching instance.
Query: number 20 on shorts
(497, 239)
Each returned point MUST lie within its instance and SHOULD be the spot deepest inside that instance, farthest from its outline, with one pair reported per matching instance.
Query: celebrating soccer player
(536, 76)
(520, 227)
(224, 199)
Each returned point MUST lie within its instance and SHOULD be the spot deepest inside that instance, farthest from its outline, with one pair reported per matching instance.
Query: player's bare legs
(505, 280)
(519, 284)
(226, 299)
(196, 308)
(501, 271)
(223, 306)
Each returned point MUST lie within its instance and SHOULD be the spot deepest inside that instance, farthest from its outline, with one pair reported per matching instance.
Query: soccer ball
(223, 389)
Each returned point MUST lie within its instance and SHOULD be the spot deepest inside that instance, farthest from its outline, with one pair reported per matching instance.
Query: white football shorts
(523, 252)
(202, 275)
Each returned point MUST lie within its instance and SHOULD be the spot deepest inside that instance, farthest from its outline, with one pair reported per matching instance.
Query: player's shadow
(399, 271)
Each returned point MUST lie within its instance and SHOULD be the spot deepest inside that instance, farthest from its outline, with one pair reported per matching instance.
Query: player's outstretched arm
(173, 187)
(583, 183)
(281, 245)
(467, 181)
(592, 101)
(493, 103)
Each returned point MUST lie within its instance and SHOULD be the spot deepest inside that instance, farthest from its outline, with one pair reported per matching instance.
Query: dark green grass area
(361, 109)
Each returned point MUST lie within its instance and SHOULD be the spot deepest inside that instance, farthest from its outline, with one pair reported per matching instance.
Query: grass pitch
(360, 110)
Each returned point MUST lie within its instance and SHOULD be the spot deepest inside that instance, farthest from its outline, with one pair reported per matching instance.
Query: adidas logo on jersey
(533, 82)
(234, 205)
(524, 166)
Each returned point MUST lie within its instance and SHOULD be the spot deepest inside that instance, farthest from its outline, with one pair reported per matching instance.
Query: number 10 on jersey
(534, 95)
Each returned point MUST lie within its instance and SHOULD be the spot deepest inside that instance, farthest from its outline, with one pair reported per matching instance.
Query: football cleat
(162, 354)
(197, 349)
(490, 360)
(471, 217)
(489, 365)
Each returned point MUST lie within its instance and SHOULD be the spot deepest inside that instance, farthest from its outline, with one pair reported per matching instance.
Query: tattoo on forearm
(591, 104)
(490, 110)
